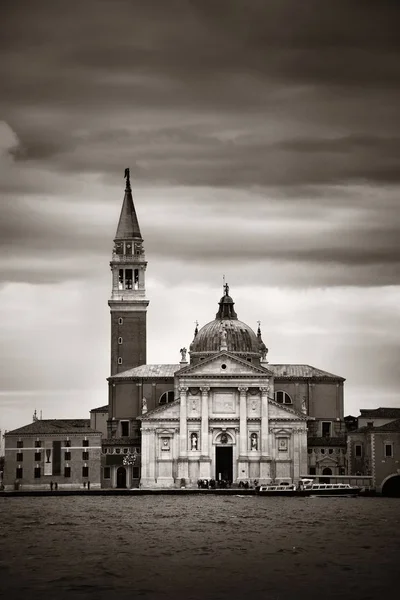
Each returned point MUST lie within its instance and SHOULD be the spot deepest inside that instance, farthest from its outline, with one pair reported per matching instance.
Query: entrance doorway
(326, 471)
(121, 477)
(224, 463)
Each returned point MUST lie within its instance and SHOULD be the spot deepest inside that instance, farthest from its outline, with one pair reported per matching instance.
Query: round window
(223, 366)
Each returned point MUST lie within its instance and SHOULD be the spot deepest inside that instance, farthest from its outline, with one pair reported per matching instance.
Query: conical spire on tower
(128, 225)
(128, 301)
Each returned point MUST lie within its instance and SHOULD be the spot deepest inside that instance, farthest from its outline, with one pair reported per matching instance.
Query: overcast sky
(263, 138)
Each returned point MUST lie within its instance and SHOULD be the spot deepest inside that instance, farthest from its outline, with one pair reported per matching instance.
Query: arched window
(120, 361)
(167, 397)
(283, 398)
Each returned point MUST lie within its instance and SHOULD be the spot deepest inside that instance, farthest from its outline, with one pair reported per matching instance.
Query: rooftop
(101, 409)
(43, 426)
(380, 413)
(279, 371)
(394, 426)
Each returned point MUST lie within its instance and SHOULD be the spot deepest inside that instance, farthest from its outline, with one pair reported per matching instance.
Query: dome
(240, 338)
(226, 332)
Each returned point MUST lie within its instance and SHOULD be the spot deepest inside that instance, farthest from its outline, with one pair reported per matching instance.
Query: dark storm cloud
(285, 100)
(71, 71)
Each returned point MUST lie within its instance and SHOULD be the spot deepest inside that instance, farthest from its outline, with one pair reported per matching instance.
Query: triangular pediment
(214, 366)
(280, 411)
(166, 411)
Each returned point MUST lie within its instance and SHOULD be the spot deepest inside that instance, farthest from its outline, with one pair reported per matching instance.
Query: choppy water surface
(198, 547)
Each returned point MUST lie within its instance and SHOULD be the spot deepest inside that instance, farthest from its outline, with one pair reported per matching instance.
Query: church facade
(223, 412)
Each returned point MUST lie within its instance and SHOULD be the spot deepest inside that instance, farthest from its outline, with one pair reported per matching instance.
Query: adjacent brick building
(65, 452)
(374, 449)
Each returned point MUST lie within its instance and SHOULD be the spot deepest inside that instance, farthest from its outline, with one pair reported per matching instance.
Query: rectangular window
(37, 472)
(136, 278)
(128, 279)
(85, 471)
(358, 450)
(68, 443)
(56, 458)
(20, 457)
(85, 443)
(38, 444)
(67, 471)
(20, 444)
(326, 428)
(124, 428)
(38, 456)
(128, 249)
(388, 450)
(312, 470)
(85, 455)
(67, 455)
(107, 473)
(19, 473)
(135, 472)
(121, 279)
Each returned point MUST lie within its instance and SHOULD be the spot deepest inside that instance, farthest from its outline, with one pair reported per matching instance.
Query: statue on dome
(144, 406)
(226, 288)
(183, 354)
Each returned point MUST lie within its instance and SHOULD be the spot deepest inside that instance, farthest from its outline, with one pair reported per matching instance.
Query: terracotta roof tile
(381, 413)
(294, 371)
(282, 371)
(101, 409)
(49, 426)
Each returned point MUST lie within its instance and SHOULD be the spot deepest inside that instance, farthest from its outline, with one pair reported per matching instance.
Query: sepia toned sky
(263, 139)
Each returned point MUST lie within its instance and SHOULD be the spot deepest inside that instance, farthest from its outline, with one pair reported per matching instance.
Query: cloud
(263, 141)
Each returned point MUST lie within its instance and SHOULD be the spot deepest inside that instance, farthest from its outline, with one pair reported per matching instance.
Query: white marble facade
(225, 424)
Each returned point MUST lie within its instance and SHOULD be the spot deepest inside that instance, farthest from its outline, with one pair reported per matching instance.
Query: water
(194, 547)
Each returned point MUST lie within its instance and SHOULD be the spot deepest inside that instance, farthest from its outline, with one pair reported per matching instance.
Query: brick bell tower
(128, 303)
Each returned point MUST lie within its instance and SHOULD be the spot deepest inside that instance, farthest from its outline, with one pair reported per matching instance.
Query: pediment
(280, 411)
(234, 366)
(327, 460)
(166, 411)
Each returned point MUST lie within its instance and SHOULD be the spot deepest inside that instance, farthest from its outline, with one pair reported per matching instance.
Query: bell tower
(128, 303)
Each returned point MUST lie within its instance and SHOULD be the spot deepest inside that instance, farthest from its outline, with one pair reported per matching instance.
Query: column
(183, 470)
(205, 459)
(243, 465)
(265, 461)
(264, 421)
(183, 421)
(144, 467)
(204, 420)
(243, 420)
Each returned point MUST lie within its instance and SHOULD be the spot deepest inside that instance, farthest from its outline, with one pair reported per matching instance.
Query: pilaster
(204, 421)
(183, 470)
(243, 464)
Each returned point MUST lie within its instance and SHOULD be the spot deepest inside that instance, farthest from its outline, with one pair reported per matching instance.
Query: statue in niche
(224, 438)
(194, 441)
(165, 444)
(194, 405)
(304, 405)
(254, 441)
(144, 406)
(253, 405)
(183, 354)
